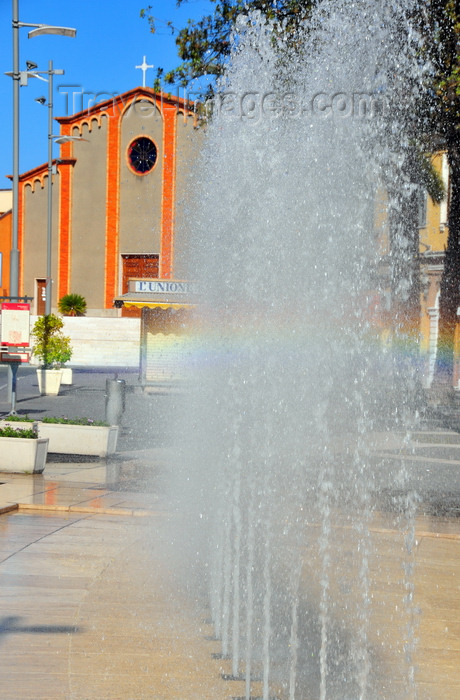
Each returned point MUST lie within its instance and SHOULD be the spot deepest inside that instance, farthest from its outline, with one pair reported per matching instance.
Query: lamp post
(59, 139)
(20, 78)
(49, 230)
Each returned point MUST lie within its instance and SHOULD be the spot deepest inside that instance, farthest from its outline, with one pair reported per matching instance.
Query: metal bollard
(115, 390)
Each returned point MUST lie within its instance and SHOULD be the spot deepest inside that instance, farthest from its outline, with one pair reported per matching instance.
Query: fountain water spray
(292, 375)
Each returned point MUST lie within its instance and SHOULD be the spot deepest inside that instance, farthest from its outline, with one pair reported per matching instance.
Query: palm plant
(72, 305)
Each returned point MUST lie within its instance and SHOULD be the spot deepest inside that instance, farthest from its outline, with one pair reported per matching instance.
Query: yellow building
(433, 229)
(391, 315)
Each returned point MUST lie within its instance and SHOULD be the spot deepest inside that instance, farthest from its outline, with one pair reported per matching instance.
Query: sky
(111, 40)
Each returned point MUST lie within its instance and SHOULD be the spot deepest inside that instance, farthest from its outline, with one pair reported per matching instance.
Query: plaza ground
(90, 606)
(94, 604)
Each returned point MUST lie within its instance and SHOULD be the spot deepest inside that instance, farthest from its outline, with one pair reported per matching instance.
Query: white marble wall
(102, 342)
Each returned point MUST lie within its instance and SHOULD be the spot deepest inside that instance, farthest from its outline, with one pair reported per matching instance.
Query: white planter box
(66, 376)
(23, 455)
(65, 438)
(49, 381)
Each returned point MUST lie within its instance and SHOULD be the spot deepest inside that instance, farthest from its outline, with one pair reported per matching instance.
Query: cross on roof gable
(118, 101)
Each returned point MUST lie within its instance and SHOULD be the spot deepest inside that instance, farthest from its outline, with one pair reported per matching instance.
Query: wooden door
(144, 266)
(41, 297)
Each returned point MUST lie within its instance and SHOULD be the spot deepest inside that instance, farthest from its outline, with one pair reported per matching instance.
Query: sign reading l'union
(165, 286)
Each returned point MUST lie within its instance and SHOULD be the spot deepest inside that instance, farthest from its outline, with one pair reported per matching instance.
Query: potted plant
(52, 348)
(18, 421)
(81, 436)
(22, 450)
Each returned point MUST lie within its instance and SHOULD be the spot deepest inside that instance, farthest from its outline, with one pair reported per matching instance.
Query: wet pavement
(90, 609)
(92, 603)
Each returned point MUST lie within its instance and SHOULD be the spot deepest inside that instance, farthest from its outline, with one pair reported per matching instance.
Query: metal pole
(14, 254)
(14, 370)
(9, 383)
(49, 233)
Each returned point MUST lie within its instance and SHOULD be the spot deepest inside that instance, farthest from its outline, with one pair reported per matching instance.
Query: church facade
(115, 198)
(118, 186)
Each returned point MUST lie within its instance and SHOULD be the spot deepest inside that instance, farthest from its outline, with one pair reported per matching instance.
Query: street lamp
(59, 139)
(20, 78)
(47, 29)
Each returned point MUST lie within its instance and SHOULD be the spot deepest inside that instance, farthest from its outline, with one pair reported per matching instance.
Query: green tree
(203, 45)
(51, 346)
